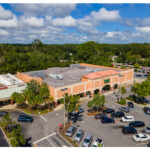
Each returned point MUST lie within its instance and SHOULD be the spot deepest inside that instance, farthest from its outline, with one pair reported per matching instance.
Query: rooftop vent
(56, 76)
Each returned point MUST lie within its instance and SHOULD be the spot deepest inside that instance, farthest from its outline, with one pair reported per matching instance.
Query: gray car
(125, 109)
(79, 136)
(147, 129)
(71, 130)
(87, 140)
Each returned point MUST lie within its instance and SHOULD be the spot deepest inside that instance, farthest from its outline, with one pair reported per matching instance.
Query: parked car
(87, 140)
(78, 111)
(100, 116)
(10, 127)
(117, 114)
(2, 113)
(108, 110)
(136, 124)
(71, 130)
(129, 130)
(107, 120)
(24, 118)
(127, 118)
(148, 144)
(78, 137)
(130, 105)
(147, 129)
(97, 142)
(146, 110)
(141, 137)
(125, 109)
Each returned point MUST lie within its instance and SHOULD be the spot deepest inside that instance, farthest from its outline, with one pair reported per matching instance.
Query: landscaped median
(12, 131)
(61, 132)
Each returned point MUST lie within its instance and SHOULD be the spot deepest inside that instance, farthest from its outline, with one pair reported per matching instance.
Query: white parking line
(44, 138)
(43, 118)
(83, 139)
(51, 142)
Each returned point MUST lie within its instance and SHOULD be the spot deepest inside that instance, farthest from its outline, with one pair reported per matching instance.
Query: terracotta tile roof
(100, 74)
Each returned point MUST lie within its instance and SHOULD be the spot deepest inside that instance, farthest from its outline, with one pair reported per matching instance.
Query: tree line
(37, 55)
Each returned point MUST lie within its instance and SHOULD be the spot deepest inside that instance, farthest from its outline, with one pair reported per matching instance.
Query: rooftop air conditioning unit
(60, 77)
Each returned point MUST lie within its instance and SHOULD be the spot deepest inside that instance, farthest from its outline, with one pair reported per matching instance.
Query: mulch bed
(62, 131)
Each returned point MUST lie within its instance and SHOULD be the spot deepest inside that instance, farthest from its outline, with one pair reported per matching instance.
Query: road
(3, 141)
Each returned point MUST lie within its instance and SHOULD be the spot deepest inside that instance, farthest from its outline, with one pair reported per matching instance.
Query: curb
(6, 137)
(64, 138)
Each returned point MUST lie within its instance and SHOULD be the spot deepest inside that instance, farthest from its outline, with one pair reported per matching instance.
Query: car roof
(80, 131)
(129, 116)
(88, 136)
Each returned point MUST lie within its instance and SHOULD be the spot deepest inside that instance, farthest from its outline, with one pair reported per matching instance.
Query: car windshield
(78, 135)
(86, 140)
(137, 135)
(148, 128)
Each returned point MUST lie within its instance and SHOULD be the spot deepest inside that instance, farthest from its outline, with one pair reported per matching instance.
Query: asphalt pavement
(3, 141)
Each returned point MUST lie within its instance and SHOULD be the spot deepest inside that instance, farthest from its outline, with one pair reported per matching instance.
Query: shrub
(122, 102)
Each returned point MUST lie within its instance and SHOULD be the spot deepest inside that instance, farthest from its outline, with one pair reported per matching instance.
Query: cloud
(4, 32)
(66, 21)
(33, 21)
(10, 23)
(105, 15)
(5, 14)
(144, 22)
(143, 29)
(89, 23)
(57, 10)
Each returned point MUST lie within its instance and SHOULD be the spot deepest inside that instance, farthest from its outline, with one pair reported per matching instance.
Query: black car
(2, 113)
(148, 144)
(108, 111)
(146, 110)
(130, 105)
(24, 118)
(107, 120)
(129, 130)
(117, 114)
(137, 124)
(100, 116)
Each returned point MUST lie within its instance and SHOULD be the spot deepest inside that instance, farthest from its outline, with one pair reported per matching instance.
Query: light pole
(120, 86)
(63, 90)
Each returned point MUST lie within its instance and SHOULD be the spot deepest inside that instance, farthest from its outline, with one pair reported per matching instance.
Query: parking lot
(111, 133)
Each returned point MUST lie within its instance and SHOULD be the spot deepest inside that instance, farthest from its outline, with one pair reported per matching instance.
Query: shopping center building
(8, 85)
(80, 79)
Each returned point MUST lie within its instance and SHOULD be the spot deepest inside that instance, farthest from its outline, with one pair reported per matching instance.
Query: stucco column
(11, 102)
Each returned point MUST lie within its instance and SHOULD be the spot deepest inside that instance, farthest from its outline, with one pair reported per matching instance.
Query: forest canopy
(38, 56)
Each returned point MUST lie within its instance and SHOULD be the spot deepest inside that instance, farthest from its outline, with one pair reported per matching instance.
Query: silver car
(79, 136)
(125, 109)
(147, 129)
(87, 140)
(71, 130)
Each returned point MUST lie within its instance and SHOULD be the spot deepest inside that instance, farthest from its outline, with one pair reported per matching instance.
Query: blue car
(107, 120)
(24, 118)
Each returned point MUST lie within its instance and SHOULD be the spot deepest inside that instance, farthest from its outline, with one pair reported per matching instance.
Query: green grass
(35, 112)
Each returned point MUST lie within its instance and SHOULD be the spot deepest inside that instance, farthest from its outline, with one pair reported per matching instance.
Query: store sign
(107, 81)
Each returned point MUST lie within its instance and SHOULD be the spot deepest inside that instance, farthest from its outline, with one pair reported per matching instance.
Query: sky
(74, 23)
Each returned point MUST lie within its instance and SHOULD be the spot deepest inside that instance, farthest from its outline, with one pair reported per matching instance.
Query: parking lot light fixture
(63, 90)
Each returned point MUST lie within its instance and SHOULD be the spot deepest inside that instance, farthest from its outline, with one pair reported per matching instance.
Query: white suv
(127, 119)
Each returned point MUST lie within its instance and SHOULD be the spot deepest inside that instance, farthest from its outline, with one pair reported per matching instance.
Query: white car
(147, 129)
(141, 137)
(127, 119)
(98, 142)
